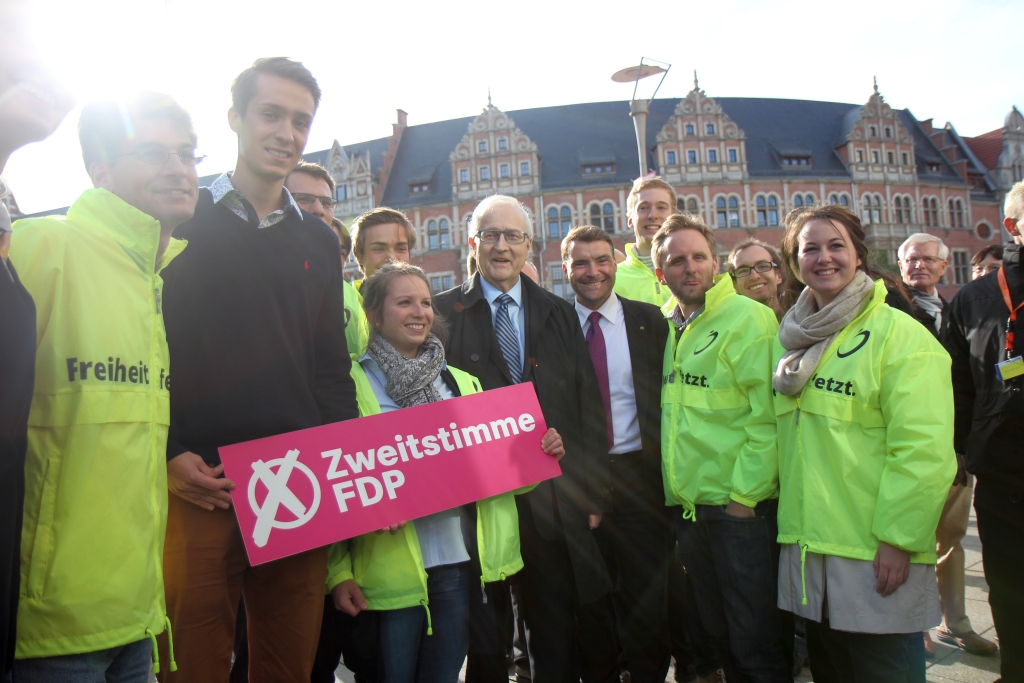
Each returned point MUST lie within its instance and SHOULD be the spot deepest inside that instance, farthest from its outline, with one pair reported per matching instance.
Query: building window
(603, 216)
(481, 146)
(796, 161)
(712, 156)
(906, 158)
(432, 239)
(419, 188)
(934, 168)
(767, 210)
(503, 171)
(689, 129)
(444, 234)
(503, 144)
(524, 168)
(961, 266)
(559, 282)
(341, 193)
(844, 200)
(598, 169)
(691, 205)
(983, 231)
(446, 282)
(860, 156)
(875, 157)
(888, 131)
(710, 129)
(734, 212)
(874, 132)
(892, 157)
(930, 208)
(872, 209)
(721, 217)
(798, 200)
(559, 222)
(691, 157)
(898, 207)
(435, 284)
(670, 158)
(956, 213)
(464, 175)
(485, 172)
(733, 156)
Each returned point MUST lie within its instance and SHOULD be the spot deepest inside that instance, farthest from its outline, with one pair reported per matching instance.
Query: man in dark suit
(504, 329)
(626, 340)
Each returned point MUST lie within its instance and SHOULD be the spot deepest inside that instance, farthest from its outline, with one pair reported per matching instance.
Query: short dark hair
(243, 89)
(585, 233)
(675, 223)
(993, 250)
(315, 170)
(106, 124)
(382, 215)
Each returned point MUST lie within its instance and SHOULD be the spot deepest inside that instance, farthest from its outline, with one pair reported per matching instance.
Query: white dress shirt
(625, 425)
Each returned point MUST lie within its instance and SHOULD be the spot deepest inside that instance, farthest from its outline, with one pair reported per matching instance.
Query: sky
(951, 60)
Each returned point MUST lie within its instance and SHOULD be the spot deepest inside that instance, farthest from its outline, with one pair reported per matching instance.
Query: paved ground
(950, 664)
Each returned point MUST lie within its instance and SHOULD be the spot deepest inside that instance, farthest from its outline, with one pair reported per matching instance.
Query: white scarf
(805, 332)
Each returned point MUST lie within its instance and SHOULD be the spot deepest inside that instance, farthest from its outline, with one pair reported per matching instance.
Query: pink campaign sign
(313, 487)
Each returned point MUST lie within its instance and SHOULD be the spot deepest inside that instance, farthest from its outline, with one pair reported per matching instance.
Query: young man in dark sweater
(256, 329)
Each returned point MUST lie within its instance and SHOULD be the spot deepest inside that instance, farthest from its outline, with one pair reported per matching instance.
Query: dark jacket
(558, 364)
(638, 485)
(256, 329)
(989, 412)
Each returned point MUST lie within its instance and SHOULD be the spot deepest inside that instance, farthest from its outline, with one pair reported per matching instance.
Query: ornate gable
(353, 178)
(700, 142)
(875, 145)
(494, 156)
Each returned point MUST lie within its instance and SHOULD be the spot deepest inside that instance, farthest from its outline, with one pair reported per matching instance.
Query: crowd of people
(757, 464)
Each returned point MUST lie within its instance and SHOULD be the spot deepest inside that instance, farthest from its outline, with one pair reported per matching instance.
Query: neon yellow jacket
(866, 450)
(96, 476)
(636, 281)
(718, 424)
(389, 568)
(356, 327)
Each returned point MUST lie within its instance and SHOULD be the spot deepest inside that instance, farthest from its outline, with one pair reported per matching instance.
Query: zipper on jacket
(803, 573)
(156, 291)
(430, 628)
(797, 410)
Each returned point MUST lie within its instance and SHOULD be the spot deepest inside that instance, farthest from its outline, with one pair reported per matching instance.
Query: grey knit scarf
(930, 304)
(805, 332)
(410, 381)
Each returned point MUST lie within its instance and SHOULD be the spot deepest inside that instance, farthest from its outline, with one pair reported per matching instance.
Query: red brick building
(741, 163)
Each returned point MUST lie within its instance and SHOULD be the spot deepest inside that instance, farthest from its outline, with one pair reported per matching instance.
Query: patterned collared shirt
(224, 191)
(680, 322)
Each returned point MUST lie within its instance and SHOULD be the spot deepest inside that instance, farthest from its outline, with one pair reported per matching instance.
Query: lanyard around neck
(1013, 311)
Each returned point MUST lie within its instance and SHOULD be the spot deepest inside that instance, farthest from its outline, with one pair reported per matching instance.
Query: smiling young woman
(864, 462)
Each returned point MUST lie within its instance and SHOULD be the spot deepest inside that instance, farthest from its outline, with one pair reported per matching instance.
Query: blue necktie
(508, 340)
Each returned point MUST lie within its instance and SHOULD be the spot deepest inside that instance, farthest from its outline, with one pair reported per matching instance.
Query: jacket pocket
(39, 555)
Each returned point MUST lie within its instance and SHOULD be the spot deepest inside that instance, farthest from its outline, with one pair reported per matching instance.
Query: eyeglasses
(759, 267)
(927, 260)
(511, 236)
(306, 199)
(158, 156)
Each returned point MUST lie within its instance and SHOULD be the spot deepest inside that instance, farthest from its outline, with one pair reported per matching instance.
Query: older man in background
(923, 259)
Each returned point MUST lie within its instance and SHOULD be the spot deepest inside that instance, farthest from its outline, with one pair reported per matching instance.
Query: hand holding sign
(313, 487)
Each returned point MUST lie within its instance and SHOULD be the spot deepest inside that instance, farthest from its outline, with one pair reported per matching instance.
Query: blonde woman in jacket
(425, 577)
(864, 406)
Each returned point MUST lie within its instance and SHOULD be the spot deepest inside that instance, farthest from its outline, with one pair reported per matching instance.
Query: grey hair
(923, 238)
(1013, 205)
(495, 200)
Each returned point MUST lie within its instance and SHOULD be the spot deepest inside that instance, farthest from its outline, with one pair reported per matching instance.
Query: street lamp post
(638, 109)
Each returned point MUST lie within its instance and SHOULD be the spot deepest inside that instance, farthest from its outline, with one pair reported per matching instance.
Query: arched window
(833, 199)
(872, 209)
(844, 200)
(767, 210)
(898, 206)
(553, 223)
(721, 217)
(691, 205)
(734, 214)
(444, 233)
(432, 235)
(956, 213)
(798, 200)
(680, 204)
(608, 211)
(595, 215)
(559, 222)
(808, 199)
(566, 220)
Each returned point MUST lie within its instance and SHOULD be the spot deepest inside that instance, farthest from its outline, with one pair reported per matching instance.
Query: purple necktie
(599, 356)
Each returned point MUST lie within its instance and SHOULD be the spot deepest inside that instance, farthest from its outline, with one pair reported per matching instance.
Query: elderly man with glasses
(923, 259)
(505, 330)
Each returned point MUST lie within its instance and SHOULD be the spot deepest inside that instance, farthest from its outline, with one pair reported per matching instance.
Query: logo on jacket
(714, 335)
(279, 494)
(863, 334)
